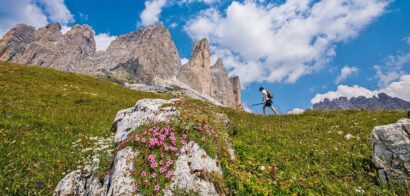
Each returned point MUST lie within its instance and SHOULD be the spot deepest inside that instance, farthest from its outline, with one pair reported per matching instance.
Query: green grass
(42, 113)
(48, 120)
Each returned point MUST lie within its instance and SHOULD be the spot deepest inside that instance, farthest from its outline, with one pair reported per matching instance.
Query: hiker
(267, 99)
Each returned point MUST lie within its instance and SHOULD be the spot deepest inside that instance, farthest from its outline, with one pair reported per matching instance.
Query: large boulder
(391, 151)
(191, 162)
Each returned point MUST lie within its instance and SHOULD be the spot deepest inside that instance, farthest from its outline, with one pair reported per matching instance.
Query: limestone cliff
(197, 72)
(147, 55)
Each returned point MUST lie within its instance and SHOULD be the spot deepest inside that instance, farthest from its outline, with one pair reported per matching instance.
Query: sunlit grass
(48, 120)
(43, 113)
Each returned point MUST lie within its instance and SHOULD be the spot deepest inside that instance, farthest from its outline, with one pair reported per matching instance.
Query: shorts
(268, 103)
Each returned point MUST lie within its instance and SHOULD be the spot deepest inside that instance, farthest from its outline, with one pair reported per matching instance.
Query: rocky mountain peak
(380, 102)
(219, 64)
(147, 55)
(201, 54)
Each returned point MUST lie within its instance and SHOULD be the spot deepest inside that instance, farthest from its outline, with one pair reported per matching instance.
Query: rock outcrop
(222, 87)
(212, 81)
(197, 72)
(147, 56)
(380, 102)
(237, 88)
(192, 158)
(47, 46)
(391, 152)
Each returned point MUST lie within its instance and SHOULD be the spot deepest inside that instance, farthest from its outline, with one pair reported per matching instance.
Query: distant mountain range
(380, 102)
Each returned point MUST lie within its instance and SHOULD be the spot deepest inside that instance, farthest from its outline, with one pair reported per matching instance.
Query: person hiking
(267, 99)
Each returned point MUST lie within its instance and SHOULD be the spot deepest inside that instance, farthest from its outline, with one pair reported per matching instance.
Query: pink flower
(143, 173)
(107, 173)
(153, 175)
(157, 187)
(161, 162)
(162, 170)
(169, 174)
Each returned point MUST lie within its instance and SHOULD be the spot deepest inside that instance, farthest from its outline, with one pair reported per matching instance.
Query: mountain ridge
(147, 55)
(380, 102)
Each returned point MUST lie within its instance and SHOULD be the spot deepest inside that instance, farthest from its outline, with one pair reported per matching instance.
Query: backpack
(270, 96)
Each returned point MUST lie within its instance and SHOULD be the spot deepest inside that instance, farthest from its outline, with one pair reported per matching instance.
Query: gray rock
(145, 111)
(380, 102)
(237, 88)
(146, 56)
(391, 151)
(222, 89)
(197, 72)
(139, 56)
(191, 161)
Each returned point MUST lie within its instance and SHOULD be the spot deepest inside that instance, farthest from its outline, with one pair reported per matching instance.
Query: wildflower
(143, 173)
(348, 136)
(162, 170)
(169, 174)
(107, 173)
(153, 175)
(157, 187)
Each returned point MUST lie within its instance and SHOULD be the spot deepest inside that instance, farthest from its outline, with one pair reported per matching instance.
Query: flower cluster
(160, 144)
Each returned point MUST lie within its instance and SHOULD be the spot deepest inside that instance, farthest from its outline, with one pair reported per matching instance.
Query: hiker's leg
(263, 110)
(273, 110)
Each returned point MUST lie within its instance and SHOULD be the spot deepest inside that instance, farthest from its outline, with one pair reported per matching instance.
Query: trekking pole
(257, 104)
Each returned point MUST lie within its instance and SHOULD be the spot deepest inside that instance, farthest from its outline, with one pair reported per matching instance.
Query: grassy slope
(42, 112)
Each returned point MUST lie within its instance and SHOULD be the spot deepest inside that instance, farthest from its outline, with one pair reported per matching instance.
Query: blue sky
(303, 51)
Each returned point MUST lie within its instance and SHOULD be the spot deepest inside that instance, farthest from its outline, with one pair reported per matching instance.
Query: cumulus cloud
(36, 13)
(407, 40)
(282, 42)
(399, 89)
(57, 11)
(296, 111)
(346, 72)
(103, 40)
(196, 1)
(152, 11)
(184, 61)
(392, 68)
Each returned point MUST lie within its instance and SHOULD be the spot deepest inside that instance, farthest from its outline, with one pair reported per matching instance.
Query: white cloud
(184, 61)
(346, 72)
(282, 42)
(103, 40)
(65, 29)
(400, 89)
(392, 68)
(247, 109)
(57, 11)
(296, 111)
(30, 12)
(152, 11)
(407, 40)
(196, 1)
(173, 25)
